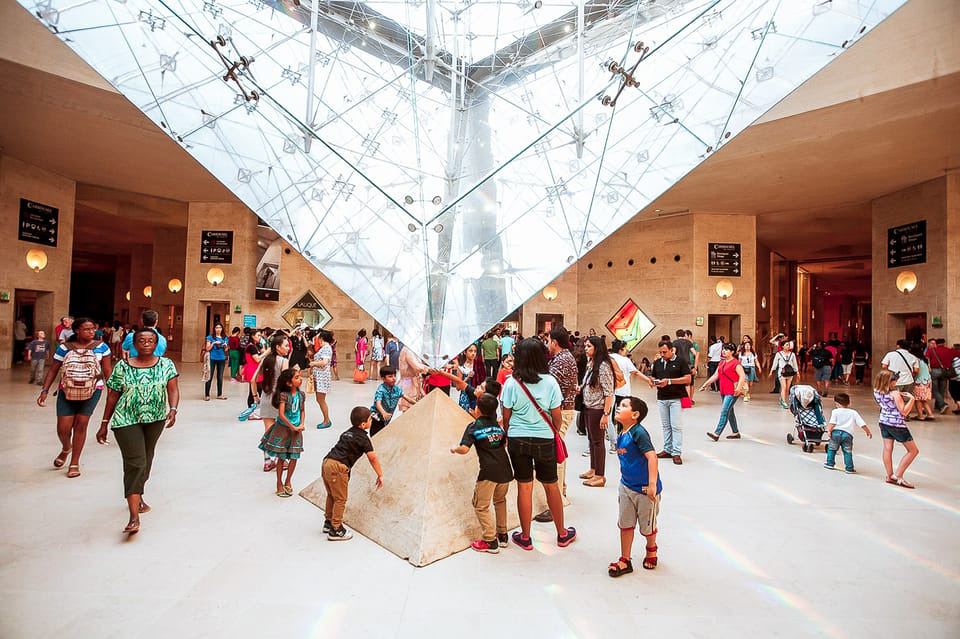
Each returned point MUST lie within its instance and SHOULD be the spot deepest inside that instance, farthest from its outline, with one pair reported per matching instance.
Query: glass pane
(442, 160)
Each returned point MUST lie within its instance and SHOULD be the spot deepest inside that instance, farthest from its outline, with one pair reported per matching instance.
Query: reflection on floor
(756, 539)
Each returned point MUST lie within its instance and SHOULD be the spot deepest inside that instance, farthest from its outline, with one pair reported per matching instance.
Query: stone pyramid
(423, 512)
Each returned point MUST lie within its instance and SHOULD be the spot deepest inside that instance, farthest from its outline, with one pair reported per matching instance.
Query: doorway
(548, 321)
(908, 326)
(214, 313)
(726, 325)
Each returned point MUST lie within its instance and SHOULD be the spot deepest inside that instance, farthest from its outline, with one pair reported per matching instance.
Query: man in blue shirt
(149, 318)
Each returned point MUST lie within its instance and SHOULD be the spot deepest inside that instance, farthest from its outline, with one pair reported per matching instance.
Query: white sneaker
(585, 453)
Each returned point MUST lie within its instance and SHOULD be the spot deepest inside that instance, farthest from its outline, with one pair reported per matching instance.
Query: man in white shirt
(713, 359)
(19, 340)
(902, 362)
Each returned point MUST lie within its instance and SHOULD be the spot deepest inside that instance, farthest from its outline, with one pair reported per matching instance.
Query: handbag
(618, 380)
(686, 402)
(949, 373)
(359, 375)
(561, 445)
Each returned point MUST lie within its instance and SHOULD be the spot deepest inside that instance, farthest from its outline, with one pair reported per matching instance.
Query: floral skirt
(923, 392)
(282, 442)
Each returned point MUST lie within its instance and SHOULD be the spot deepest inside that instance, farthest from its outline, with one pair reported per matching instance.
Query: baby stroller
(808, 413)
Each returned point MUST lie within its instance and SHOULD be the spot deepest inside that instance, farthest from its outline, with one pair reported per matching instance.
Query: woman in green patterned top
(139, 391)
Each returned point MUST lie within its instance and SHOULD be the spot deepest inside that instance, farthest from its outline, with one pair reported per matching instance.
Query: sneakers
(566, 539)
(491, 547)
(829, 467)
(733, 436)
(523, 542)
(502, 539)
(943, 409)
(585, 453)
(327, 526)
(746, 398)
(339, 534)
(714, 436)
(852, 471)
(323, 425)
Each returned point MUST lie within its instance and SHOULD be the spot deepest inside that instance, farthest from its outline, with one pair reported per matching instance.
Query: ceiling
(809, 178)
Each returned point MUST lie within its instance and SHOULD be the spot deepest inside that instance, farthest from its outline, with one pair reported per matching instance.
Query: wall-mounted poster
(630, 324)
(269, 250)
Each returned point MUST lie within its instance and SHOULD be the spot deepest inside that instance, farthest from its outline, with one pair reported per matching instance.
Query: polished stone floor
(756, 540)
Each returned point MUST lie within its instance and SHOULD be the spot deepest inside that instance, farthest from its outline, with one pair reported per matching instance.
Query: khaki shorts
(637, 509)
(904, 388)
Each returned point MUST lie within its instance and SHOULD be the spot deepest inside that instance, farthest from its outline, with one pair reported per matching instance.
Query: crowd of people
(522, 393)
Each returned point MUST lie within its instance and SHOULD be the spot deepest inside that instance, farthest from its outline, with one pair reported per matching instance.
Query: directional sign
(724, 260)
(907, 244)
(216, 247)
(38, 223)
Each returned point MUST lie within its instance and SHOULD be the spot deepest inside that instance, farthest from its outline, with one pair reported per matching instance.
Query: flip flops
(897, 481)
(61, 459)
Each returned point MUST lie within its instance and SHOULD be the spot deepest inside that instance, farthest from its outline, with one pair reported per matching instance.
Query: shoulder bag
(561, 445)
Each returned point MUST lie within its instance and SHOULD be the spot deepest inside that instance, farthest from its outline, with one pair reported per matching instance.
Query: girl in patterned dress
(321, 366)
(284, 439)
(377, 354)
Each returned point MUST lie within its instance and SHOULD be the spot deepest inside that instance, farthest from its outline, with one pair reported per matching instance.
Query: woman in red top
(732, 380)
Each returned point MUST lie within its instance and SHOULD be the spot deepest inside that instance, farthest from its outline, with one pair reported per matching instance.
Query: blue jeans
(939, 378)
(672, 430)
(843, 440)
(727, 414)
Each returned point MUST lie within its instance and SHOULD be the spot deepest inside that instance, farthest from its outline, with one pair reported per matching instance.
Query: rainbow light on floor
(777, 490)
(732, 555)
(802, 606)
(719, 462)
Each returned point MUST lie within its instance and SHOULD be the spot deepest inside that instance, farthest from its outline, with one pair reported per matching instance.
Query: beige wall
(938, 289)
(21, 180)
(566, 303)
(671, 293)
(297, 276)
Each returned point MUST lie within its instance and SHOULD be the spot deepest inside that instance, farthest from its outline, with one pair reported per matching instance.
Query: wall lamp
(906, 282)
(724, 289)
(550, 293)
(215, 276)
(175, 285)
(148, 292)
(37, 260)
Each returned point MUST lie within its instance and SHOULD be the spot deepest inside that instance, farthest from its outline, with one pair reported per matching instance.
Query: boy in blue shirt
(639, 496)
(495, 476)
(385, 400)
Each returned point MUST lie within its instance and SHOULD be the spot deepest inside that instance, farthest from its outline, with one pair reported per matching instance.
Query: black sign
(216, 247)
(38, 223)
(907, 244)
(724, 260)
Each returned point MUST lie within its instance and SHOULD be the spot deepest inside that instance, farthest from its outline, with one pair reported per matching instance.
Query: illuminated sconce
(174, 285)
(37, 260)
(763, 302)
(215, 276)
(906, 282)
(724, 289)
(127, 296)
(550, 293)
(148, 292)
(813, 314)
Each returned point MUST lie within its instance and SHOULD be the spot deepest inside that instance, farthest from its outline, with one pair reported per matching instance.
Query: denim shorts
(529, 454)
(896, 433)
(70, 407)
(822, 373)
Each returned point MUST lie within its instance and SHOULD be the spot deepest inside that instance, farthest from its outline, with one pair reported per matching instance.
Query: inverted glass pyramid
(443, 160)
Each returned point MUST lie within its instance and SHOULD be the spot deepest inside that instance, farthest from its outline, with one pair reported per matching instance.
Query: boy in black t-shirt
(353, 443)
(495, 474)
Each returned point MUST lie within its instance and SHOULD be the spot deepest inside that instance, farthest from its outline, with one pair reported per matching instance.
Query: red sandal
(618, 570)
(650, 563)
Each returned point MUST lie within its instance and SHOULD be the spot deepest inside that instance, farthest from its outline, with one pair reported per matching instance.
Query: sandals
(283, 493)
(132, 527)
(596, 482)
(61, 459)
(587, 475)
(221, 397)
(898, 481)
(622, 566)
(287, 488)
(144, 507)
(73, 471)
(650, 563)
(269, 465)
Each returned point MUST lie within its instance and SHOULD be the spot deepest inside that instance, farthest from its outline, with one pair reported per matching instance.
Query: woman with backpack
(785, 367)
(86, 365)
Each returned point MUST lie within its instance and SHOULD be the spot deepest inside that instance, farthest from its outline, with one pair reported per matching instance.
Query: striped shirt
(890, 415)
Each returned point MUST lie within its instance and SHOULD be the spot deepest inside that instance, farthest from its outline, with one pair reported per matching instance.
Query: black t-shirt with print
(353, 444)
(490, 442)
(671, 369)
